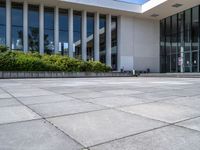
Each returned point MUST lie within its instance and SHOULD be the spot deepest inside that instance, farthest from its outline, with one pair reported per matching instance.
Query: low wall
(28, 74)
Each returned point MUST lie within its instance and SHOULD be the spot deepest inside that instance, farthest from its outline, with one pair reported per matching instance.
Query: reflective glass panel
(114, 43)
(17, 26)
(33, 28)
(90, 36)
(2, 23)
(102, 32)
(63, 33)
(49, 47)
(77, 23)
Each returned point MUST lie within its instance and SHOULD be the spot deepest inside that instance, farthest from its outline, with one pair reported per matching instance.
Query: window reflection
(90, 36)
(17, 26)
(49, 47)
(2, 23)
(63, 33)
(181, 42)
(33, 28)
(114, 43)
(77, 23)
(102, 32)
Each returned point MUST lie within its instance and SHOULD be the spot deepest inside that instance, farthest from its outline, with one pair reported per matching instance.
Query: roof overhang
(153, 9)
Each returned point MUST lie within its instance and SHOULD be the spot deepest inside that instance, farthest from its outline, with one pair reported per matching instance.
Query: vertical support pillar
(84, 35)
(8, 23)
(25, 26)
(119, 47)
(108, 40)
(71, 38)
(96, 37)
(41, 30)
(56, 29)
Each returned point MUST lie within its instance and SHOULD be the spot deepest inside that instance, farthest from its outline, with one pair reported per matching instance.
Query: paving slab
(86, 95)
(30, 92)
(16, 113)
(44, 99)
(168, 138)
(193, 102)
(4, 95)
(9, 102)
(117, 101)
(64, 108)
(34, 135)
(191, 124)
(102, 126)
(156, 96)
(164, 112)
(122, 92)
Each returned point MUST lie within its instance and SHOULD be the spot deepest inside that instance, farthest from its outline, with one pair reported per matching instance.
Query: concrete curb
(46, 74)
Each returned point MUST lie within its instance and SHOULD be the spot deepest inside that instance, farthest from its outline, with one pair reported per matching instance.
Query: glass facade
(33, 28)
(180, 42)
(17, 26)
(49, 47)
(2, 23)
(114, 43)
(63, 32)
(102, 32)
(77, 23)
(18, 31)
(90, 36)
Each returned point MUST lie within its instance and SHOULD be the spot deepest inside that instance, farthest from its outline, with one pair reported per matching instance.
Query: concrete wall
(140, 44)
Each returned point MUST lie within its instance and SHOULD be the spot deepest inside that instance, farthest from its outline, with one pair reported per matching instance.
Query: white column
(119, 47)
(96, 37)
(41, 32)
(84, 35)
(8, 23)
(25, 26)
(71, 38)
(108, 40)
(56, 29)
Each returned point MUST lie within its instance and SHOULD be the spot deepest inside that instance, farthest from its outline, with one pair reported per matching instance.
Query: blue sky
(135, 1)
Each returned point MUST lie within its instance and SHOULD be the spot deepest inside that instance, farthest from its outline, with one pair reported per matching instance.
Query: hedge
(19, 61)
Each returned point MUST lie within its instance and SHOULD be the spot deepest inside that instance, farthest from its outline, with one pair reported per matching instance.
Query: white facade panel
(140, 39)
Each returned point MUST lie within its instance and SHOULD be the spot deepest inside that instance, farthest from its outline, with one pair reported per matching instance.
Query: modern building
(160, 35)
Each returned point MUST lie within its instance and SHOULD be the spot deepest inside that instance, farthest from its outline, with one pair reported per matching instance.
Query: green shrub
(19, 61)
(3, 48)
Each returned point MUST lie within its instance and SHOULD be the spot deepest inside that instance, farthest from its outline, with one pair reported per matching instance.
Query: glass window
(49, 47)
(195, 28)
(168, 26)
(102, 32)
(114, 43)
(17, 26)
(33, 28)
(195, 62)
(77, 24)
(187, 62)
(63, 33)
(2, 23)
(180, 47)
(174, 24)
(188, 19)
(90, 36)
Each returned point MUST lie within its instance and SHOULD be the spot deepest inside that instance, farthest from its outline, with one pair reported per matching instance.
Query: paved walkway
(100, 114)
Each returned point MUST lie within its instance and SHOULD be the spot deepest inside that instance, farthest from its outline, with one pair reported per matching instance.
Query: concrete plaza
(100, 114)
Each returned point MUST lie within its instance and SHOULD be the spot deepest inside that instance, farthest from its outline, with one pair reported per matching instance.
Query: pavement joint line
(46, 120)
(24, 121)
(133, 114)
(117, 139)
(187, 128)
(85, 112)
(174, 123)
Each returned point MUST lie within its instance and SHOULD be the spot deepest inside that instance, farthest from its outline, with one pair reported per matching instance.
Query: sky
(135, 1)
